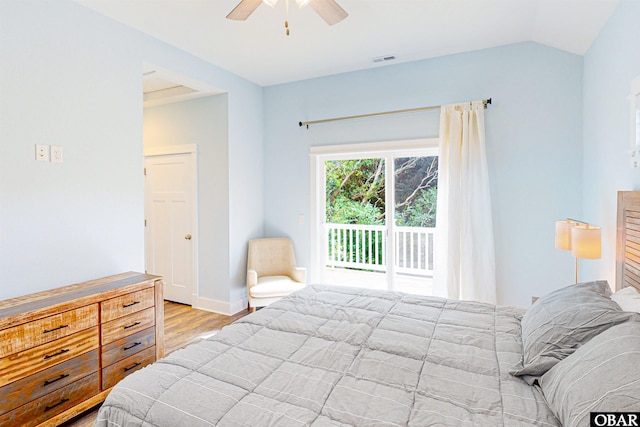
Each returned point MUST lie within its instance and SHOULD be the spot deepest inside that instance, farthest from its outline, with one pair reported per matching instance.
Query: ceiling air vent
(384, 58)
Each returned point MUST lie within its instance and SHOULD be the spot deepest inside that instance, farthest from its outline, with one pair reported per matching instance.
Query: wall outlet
(42, 153)
(56, 154)
(634, 156)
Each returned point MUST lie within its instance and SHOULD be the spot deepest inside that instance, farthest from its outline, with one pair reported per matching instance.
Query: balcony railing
(364, 247)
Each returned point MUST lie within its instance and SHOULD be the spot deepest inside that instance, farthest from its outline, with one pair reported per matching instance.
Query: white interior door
(169, 231)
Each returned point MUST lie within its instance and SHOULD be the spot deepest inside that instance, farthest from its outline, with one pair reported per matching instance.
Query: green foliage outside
(416, 191)
(356, 191)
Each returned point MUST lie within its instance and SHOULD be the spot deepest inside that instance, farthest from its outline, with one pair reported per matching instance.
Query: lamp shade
(585, 242)
(271, 3)
(563, 235)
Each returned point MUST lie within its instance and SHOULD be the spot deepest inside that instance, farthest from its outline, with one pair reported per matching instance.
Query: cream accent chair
(272, 272)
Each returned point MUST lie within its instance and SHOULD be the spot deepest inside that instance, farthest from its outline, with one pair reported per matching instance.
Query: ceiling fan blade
(243, 9)
(328, 10)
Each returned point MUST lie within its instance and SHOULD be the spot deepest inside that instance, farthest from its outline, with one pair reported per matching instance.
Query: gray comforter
(330, 356)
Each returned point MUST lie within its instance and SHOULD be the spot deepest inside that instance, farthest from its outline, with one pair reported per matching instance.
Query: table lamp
(582, 239)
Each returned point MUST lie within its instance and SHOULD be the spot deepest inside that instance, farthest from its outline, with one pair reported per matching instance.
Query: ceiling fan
(328, 10)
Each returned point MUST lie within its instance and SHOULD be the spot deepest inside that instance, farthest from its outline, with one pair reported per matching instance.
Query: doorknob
(188, 237)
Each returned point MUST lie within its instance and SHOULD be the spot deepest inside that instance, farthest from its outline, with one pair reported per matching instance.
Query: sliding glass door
(375, 217)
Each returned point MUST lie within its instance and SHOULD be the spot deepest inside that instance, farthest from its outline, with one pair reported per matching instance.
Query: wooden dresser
(62, 350)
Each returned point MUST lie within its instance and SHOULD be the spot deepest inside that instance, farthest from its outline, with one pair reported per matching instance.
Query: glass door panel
(415, 183)
(355, 222)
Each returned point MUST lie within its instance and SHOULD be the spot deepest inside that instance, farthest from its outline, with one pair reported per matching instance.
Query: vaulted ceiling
(258, 49)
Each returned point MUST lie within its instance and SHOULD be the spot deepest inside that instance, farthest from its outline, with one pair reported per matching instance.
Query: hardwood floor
(182, 326)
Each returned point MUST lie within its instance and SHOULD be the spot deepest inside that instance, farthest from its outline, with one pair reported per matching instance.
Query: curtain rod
(409, 110)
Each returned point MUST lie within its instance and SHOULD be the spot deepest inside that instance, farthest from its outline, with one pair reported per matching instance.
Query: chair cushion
(274, 286)
(271, 257)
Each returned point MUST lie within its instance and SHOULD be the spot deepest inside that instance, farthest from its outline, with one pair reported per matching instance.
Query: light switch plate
(42, 152)
(56, 154)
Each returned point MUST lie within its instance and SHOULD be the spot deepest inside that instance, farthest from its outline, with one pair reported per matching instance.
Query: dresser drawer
(126, 304)
(49, 405)
(37, 385)
(51, 350)
(20, 365)
(32, 334)
(128, 325)
(114, 373)
(124, 347)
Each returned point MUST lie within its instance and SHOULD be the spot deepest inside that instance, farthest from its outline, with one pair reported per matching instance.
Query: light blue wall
(246, 185)
(72, 77)
(534, 139)
(609, 66)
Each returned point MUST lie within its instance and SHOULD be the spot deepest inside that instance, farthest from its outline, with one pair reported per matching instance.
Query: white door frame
(319, 154)
(192, 150)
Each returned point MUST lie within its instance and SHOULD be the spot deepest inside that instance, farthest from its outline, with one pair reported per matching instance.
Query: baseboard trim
(221, 307)
(239, 305)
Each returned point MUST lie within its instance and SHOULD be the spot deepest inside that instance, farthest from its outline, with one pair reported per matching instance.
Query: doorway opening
(172, 121)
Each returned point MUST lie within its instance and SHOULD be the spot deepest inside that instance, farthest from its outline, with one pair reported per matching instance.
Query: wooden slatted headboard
(628, 240)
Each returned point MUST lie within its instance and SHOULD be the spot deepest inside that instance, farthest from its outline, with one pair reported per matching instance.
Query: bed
(334, 356)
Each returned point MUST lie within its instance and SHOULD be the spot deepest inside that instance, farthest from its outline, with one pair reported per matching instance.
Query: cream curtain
(464, 250)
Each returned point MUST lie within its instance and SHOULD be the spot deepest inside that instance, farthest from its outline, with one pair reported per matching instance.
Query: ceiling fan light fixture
(329, 10)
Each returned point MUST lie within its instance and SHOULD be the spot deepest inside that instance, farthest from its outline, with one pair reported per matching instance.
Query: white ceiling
(258, 49)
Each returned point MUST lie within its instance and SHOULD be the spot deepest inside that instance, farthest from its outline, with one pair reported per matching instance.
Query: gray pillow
(560, 322)
(601, 376)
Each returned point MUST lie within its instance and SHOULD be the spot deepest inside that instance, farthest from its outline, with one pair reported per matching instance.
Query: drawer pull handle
(135, 344)
(135, 365)
(46, 331)
(48, 408)
(129, 305)
(61, 377)
(49, 356)
(132, 325)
